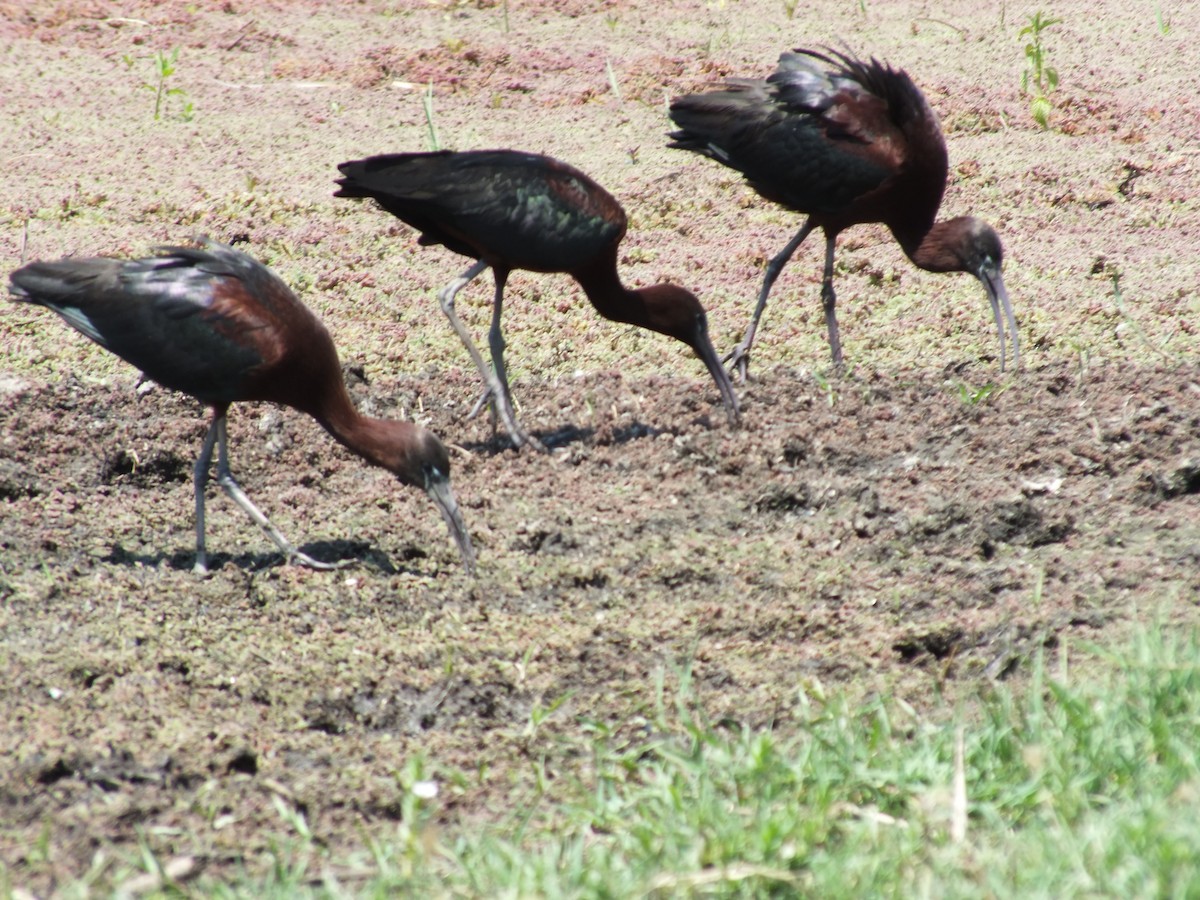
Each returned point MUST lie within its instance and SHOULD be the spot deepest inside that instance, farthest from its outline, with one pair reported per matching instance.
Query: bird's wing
(814, 136)
(181, 325)
(420, 189)
(869, 102)
(516, 210)
(184, 281)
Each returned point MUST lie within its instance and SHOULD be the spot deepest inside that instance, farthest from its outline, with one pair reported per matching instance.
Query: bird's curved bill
(437, 486)
(704, 349)
(993, 283)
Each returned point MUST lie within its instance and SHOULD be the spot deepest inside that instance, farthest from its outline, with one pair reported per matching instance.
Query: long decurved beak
(437, 486)
(993, 283)
(702, 344)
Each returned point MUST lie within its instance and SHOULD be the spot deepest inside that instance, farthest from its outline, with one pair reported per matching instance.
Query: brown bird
(511, 210)
(844, 142)
(218, 325)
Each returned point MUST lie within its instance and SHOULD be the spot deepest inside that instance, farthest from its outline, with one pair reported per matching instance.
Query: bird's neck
(361, 435)
(604, 290)
(663, 308)
(929, 249)
(914, 207)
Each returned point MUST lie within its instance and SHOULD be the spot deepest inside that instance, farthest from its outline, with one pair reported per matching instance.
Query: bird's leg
(829, 301)
(496, 345)
(446, 300)
(200, 481)
(499, 395)
(487, 402)
(485, 399)
(488, 397)
(225, 480)
(739, 356)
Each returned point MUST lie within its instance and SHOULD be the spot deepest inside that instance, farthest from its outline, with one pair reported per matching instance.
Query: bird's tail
(65, 286)
(53, 283)
(387, 173)
(709, 121)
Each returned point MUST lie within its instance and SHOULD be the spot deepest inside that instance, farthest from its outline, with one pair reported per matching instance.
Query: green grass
(1080, 783)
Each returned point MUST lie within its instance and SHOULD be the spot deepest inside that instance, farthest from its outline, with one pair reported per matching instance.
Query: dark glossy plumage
(218, 325)
(845, 142)
(511, 210)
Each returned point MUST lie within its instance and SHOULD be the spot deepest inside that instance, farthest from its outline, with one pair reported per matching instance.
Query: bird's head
(968, 244)
(675, 312)
(980, 249)
(420, 460)
(963, 244)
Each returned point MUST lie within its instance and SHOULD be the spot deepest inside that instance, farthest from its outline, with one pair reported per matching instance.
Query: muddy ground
(920, 526)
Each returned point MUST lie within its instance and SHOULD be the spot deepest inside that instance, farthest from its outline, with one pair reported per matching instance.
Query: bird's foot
(303, 559)
(739, 362)
(523, 438)
(201, 565)
(519, 436)
(485, 399)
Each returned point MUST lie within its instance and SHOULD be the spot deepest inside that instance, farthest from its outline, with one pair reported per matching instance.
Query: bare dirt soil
(920, 526)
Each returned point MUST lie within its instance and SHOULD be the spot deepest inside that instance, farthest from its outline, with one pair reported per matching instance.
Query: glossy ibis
(511, 210)
(845, 142)
(218, 325)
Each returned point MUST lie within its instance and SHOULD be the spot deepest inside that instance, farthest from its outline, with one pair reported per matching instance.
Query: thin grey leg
(739, 357)
(829, 301)
(496, 344)
(226, 481)
(200, 482)
(497, 387)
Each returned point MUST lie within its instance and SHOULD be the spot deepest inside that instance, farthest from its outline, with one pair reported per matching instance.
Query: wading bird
(844, 142)
(218, 325)
(509, 210)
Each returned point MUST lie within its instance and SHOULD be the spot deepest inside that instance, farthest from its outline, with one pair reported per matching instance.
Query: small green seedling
(975, 396)
(435, 142)
(164, 68)
(827, 386)
(612, 79)
(538, 713)
(1164, 24)
(1039, 79)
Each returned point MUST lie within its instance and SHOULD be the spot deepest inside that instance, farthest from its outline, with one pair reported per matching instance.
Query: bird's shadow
(567, 435)
(341, 553)
(635, 431)
(501, 443)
